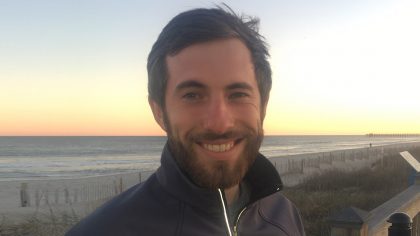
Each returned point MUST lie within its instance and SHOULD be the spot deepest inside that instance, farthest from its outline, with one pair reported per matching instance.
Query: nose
(219, 118)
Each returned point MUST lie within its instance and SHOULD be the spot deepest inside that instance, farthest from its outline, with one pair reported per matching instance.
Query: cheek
(186, 116)
(249, 113)
(184, 119)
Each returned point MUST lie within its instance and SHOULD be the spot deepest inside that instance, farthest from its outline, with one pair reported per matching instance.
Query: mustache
(212, 136)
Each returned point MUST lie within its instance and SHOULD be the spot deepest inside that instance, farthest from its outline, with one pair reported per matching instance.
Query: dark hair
(202, 25)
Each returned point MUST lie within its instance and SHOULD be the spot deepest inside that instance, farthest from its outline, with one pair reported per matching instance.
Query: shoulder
(279, 211)
(140, 203)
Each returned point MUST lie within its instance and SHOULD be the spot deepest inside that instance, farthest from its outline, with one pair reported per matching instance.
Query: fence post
(76, 195)
(121, 185)
(56, 196)
(115, 187)
(349, 222)
(47, 200)
(400, 225)
(66, 195)
(302, 164)
(37, 198)
(24, 196)
(382, 157)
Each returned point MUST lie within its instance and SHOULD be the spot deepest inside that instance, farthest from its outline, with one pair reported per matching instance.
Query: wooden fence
(353, 158)
(71, 191)
(375, 222)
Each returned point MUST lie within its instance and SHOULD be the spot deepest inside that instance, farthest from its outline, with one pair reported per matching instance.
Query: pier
(396, 135)
(78, 197)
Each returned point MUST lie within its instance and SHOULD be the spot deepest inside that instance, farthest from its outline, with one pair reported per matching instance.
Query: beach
(74, 196)
(78, 157)
(77, 197)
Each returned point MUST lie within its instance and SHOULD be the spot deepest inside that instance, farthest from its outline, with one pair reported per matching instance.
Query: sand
(21, 199)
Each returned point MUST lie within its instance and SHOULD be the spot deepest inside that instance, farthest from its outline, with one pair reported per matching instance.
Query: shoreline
(80, 195)
(286, 155)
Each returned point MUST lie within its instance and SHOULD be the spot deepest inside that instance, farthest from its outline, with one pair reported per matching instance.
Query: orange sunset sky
(79, 67)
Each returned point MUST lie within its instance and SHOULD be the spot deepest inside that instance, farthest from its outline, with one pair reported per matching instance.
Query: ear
(157, 113)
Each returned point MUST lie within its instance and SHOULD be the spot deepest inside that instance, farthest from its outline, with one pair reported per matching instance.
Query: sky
(79, 67)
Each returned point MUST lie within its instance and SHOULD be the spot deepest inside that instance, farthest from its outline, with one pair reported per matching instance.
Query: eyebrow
(189, 84)
(239, 85)
(196, 84)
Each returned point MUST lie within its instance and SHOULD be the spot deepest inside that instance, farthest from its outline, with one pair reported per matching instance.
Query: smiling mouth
(223, 147)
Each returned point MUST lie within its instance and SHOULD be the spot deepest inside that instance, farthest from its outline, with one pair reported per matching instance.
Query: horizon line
(166, 135)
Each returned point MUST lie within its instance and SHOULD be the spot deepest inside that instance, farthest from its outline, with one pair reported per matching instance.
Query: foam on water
(58, 157)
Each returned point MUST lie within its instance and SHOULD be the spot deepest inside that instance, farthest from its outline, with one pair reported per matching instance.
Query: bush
(326, 193)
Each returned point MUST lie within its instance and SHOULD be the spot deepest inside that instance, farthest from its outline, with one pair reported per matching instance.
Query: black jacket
(168, 203)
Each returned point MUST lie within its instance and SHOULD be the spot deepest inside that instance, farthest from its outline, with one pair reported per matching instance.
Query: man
(209, 83)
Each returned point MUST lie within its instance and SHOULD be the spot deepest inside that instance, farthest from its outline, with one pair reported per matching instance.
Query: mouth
(219, 147)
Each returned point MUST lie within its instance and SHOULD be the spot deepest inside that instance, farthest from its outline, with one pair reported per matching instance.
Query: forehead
(217, 62)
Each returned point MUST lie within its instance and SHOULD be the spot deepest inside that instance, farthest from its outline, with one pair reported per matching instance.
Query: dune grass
(49, 222)
(37, 225)
(322, 195)
(316, 198)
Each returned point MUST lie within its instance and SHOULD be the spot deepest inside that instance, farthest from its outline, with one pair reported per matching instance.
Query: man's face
(213, 114)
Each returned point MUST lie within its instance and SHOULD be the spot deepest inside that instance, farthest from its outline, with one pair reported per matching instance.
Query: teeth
(218, 147)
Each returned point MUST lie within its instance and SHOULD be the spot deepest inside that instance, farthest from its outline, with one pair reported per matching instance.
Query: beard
(214, 174)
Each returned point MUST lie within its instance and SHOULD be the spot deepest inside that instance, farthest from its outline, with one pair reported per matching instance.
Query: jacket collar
(262, 178)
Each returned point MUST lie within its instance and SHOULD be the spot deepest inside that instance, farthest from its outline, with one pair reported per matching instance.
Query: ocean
(69, 157)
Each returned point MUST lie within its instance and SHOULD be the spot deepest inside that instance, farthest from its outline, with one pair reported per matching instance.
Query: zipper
(224, 212)
(235, 227)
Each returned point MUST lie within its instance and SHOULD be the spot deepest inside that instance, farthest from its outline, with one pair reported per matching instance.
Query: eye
(191, 96)
(237, 95)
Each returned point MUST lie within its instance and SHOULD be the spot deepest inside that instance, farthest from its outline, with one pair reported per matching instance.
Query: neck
(232, 194)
